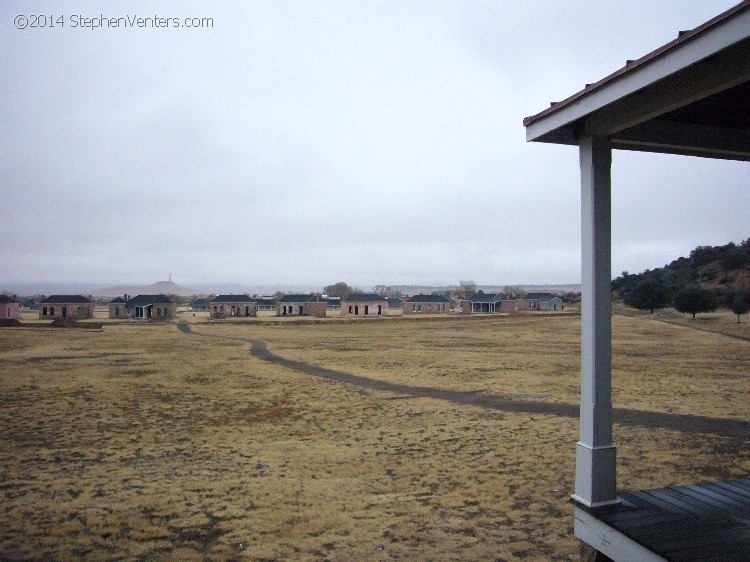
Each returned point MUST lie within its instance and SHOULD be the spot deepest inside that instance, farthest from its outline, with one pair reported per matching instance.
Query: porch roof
(145, 300)
(484, 297)
(691, 96)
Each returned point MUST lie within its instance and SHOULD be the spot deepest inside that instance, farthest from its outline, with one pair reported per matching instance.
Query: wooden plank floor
(686, 523)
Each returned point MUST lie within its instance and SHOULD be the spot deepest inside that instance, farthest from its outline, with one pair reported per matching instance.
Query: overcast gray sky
(310, 142)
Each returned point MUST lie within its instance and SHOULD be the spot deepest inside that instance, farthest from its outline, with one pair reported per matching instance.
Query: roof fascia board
(729, 68)
(703, 45)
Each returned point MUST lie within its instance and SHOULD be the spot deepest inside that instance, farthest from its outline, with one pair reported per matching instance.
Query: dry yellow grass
(141, 442)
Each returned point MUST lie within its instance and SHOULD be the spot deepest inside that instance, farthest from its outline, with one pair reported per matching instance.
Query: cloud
(369, 142)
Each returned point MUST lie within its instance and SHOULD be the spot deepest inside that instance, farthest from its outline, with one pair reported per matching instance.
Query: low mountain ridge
(721, 269)
(160, 287)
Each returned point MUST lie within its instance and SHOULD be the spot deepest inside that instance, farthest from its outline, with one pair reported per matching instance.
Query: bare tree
(514, 292)
(383, 290)
(340, 289)
(466, 289)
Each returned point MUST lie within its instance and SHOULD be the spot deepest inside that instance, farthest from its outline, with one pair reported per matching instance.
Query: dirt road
(692, 424)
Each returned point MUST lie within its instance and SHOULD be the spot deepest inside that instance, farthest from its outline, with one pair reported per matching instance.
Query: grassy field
(144, 442)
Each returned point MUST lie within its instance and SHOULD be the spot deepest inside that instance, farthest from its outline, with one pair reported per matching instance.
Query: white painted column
(596, 483)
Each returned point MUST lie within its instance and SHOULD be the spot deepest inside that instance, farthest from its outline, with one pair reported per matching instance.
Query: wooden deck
(707, 522)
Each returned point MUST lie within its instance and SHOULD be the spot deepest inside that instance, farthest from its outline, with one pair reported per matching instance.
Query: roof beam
(685, 138)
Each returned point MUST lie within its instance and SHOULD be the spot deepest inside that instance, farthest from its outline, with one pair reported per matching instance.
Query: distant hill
(428, 289)
(722, 269)
(160, 287)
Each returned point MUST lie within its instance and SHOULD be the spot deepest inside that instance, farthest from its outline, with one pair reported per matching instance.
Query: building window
(414, 308)
(44, 311)
(419, 308)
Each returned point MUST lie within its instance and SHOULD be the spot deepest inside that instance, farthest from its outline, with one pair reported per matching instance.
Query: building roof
(486, 297)
(233, 298)
(540, 296)
(4, 299)
(427, 298)
(298, 298)
(145, 300)
(65, 299)
(117, 300)
(395, 302)
(365, 297)
(689, 96)
(266, 301)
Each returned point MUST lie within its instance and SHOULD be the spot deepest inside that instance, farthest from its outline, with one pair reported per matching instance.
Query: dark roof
(632, 65)
(266, 301)
(232, 298)
(118, 300)
(540, 296)
(365, 297)
(395, 302)
(298, 298)
(482, 297)
(65, 299)
(140, 300)
(667, 100)
(427, 298)
(5, 299)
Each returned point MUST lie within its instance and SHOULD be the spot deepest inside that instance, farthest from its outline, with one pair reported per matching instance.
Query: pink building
(9, 308)
(364, 304)
(66, 307)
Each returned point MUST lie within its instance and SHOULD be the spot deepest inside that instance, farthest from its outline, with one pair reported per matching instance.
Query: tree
(740, 303)
(514, 292)
(694, 299)
(340, 289)
(386, 291)
(466, 289)
(648, 295)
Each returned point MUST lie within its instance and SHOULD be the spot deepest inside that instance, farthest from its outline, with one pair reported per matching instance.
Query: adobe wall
(317, 309)
(227, 309)
(358, 309)
(10, 311)
(427, 307)
(123, 313)
(74, 311)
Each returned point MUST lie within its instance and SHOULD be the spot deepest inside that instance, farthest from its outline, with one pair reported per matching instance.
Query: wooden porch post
(595, 452)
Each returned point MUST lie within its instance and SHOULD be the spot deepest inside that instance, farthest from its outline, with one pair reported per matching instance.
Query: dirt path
(736, 429)
(673, 322)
